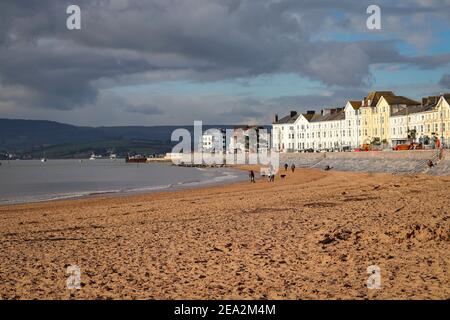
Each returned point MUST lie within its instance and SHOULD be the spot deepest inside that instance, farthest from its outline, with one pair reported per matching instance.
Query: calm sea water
(23, 181)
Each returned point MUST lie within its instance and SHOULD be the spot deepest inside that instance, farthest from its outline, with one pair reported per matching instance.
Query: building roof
(428, 104)
(447, 97)
(413, 110)
(331, 115)
(356, 104)
(339, 115)
(400, 100)
(430, 100)
(247, 127)
(372, 98)
(287, 119)
(308, 116)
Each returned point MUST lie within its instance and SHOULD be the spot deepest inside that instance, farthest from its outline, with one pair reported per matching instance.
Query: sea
(26, 181)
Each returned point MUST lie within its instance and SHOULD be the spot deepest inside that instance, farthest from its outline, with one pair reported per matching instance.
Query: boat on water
(136, 159)
(112, 156)
(44, 158)
(95, 157)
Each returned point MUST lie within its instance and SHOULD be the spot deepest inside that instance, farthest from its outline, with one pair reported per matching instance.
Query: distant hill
(58, 140)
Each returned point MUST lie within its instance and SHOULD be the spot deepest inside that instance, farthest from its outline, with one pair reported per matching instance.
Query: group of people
(286, 166)
(270, 173)
(270, 176)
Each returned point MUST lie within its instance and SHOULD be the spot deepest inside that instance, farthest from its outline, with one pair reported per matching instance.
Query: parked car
(401, 147)
(365, 147)
(416, 146)
(408, 146)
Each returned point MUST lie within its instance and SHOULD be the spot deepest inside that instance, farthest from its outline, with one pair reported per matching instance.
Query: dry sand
(309, 236)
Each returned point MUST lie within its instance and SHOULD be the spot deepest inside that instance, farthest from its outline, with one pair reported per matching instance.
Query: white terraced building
(325, 131)
(381, 116)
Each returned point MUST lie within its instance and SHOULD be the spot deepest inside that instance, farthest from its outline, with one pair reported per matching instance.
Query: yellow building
(376, 111)
(382, 118)
(442, 119)
(387, 106)
(368, 124)
(430, 118)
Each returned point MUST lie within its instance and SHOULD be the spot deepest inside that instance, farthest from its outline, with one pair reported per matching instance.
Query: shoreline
(173, 187)
(123, 196)
(311, 235)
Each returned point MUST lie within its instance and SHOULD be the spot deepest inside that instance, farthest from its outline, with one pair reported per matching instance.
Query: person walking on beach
(293, 168)
(285, 167)
(270, 175)
(252, 176)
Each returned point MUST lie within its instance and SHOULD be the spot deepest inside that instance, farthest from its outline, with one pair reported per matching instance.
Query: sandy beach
(311, 235)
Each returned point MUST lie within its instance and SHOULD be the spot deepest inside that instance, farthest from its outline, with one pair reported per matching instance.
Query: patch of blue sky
(262, 86)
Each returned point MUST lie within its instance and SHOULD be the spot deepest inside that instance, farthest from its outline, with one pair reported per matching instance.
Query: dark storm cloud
(318, 101)
(445, 81)
(45, 65)
(61, 78)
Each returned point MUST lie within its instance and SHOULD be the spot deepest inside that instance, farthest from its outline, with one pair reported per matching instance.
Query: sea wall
(381, 161)
(301, 160)
(442, 169)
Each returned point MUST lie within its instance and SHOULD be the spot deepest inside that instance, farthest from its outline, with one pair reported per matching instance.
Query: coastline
(218, 176)
(311, 235)
(134, 196)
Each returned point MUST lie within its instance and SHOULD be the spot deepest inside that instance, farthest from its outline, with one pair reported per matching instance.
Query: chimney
(293, 113)
(310, 112)
(276, 118)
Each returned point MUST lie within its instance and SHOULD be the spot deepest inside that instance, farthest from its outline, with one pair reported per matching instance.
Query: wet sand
(311, 235)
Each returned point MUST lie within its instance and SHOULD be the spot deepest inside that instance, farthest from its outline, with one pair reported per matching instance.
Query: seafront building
(382, 118)
(242, 139)
(214, 140)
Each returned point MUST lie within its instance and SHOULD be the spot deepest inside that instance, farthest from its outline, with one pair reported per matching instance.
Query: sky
(171, 62)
